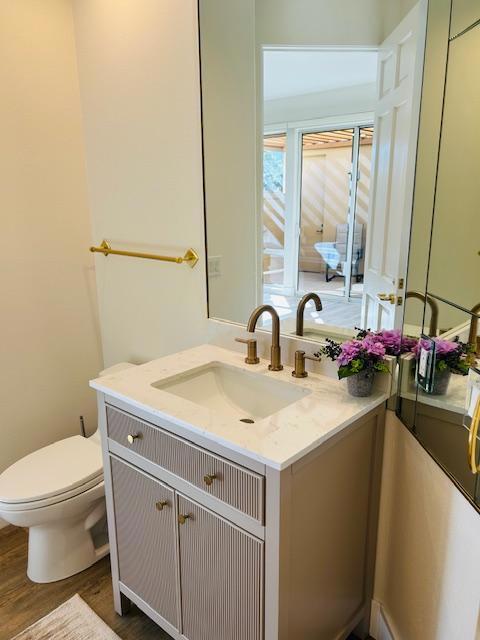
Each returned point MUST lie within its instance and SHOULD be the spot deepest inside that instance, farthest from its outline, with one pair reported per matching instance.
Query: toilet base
(59, 550)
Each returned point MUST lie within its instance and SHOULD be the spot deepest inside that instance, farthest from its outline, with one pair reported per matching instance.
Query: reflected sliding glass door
(274, 210)
(335, 179)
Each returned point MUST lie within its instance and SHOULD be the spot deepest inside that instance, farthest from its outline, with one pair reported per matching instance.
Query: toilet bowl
(58, 493)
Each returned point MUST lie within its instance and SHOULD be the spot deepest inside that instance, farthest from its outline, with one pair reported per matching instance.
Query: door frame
(293, 186)
(293, 201)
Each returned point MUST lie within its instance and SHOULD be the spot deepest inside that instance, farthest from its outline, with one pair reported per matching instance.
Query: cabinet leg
(122, 603)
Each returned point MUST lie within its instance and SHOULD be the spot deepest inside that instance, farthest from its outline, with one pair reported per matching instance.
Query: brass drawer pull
(132, 437)
(183, 517)
(160, 504)
(473, 439)
(208, 479)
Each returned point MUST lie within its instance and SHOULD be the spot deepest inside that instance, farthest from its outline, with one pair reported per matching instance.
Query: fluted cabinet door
(146, 538)
(221, 576)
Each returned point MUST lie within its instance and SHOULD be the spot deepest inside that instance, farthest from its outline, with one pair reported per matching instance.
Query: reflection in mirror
(439, 384)
(455, 256)
(309, 166)
(439, 417)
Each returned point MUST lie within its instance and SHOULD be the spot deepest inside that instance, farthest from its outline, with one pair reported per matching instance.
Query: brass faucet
(472, 336)
(275, 359)
(433, 329)
(301, 310)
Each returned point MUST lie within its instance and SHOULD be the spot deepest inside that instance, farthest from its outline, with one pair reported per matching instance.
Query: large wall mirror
(444, 262)
(316, 153)
(309, 154)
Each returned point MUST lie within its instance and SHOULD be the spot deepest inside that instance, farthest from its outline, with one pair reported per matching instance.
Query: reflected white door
(399, 84)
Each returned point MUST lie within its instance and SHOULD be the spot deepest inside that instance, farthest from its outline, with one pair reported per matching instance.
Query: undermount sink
(233, 392)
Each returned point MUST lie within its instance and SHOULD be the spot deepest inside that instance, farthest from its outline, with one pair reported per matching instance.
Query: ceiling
(295, 73)
(321, 140)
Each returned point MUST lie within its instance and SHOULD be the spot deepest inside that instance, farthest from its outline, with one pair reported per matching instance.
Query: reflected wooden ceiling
(322, 139)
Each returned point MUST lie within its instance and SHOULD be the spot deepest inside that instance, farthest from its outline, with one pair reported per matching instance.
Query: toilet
(58, 493)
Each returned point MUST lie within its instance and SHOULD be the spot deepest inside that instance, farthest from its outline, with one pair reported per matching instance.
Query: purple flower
(408, 344)
(443, 348)
(350, 351)
(373, 346)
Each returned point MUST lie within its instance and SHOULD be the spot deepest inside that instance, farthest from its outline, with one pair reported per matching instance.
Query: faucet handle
(252, 357)
(300, 357)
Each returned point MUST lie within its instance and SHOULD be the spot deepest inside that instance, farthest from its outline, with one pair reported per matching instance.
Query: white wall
(230, 133)
(426, 171)
(139, 84)
(49, 343)
(307, 22)
(428, 557)
(337, 102)
(393, 12)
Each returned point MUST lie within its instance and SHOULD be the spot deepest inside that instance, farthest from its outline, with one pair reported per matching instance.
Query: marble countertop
(277, 440)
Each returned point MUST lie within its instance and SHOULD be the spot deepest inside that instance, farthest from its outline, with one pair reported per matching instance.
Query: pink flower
(350, 351)
(373, 347)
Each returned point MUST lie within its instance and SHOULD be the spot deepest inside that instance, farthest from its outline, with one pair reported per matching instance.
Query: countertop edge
(209, 437)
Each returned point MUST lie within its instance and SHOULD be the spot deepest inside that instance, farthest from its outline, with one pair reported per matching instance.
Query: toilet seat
(52, 474)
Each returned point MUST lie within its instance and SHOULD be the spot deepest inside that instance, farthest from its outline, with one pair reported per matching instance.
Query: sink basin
(233, 392)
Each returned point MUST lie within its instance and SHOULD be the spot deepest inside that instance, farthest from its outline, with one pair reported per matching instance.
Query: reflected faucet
(301, 310)
(433, 329)
(472, 336)
(275, 357)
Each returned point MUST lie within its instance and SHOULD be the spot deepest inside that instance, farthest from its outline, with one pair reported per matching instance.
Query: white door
(399, 85)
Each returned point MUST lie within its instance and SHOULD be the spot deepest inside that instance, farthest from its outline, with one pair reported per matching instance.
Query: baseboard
(380, 627)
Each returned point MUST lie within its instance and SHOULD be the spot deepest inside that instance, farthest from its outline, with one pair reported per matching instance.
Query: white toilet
(58, 493)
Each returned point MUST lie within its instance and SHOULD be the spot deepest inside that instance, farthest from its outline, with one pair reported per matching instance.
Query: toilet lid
(52, 471)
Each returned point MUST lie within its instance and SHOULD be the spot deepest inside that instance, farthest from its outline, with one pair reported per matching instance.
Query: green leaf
(345, 372)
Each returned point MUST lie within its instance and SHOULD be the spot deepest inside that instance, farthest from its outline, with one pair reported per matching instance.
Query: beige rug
(73, 620)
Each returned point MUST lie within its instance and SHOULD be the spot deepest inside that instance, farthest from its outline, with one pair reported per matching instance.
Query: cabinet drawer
(234, 485)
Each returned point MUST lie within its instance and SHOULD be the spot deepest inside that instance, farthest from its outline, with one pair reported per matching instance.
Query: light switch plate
(214, 266)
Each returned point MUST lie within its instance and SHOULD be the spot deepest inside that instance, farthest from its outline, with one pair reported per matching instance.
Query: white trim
(380, 627)
(342, 121)
(316, 47)
(276, 129)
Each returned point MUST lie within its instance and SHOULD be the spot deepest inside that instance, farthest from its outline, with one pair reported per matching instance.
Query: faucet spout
(276, 360)
(423, 297)
(301, 310)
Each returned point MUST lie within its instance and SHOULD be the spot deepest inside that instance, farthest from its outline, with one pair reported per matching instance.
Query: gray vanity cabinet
(214, 545)
(221, 577)
(146, 538)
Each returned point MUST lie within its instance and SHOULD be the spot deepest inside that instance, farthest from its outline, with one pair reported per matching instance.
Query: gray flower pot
(361, 384)
(441, 382)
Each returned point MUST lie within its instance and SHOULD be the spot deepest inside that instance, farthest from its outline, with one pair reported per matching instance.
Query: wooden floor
(23, 602)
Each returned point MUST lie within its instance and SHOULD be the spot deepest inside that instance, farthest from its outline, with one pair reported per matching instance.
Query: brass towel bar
(190, 257)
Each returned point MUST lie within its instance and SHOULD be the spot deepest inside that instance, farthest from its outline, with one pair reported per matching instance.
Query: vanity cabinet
(214, 545)
(145, 526)
(221, 576)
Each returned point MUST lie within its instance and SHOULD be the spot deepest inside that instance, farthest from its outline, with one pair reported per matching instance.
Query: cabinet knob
(132, 437)
(209, 478)
(183, 517)
(160, 504)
